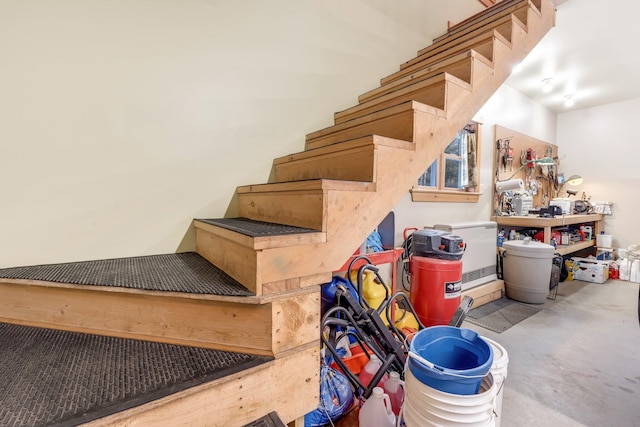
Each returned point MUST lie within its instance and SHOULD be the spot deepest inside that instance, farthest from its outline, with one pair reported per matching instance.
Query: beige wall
(120, 121)
(601, 144)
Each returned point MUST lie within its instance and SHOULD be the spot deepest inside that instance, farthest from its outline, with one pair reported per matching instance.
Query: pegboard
(545, 182)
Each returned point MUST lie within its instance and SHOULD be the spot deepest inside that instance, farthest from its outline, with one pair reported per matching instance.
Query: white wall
(507, 108)
(121, 120)
(603, 146)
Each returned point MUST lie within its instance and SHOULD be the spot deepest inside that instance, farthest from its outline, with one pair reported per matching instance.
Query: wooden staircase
(291, 235)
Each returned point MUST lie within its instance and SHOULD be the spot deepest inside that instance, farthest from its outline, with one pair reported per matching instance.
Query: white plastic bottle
(394, 387)
(635, 271)
(370, 369)
(624, 269)
(376, 411)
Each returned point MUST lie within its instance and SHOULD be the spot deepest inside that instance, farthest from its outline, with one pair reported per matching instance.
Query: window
(453, 176)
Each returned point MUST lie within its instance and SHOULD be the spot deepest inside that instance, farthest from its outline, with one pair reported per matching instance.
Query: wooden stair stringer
(288, 385)
(265, 326)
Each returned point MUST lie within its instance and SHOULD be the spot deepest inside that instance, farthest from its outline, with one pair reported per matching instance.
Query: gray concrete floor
(576, 362)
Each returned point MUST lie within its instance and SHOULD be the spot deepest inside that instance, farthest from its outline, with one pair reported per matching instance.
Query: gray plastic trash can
(527, 270)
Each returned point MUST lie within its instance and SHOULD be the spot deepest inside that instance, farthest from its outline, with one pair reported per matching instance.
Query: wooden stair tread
(182, 272)
(309, 185)
(69, 378)
(259, 235)
(346, 145)
(253, 228)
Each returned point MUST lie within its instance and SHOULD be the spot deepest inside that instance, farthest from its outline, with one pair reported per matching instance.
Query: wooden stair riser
(235, 257)
(431, 92)
(352, 160)
(459, 66)
(484, 18)
(231, 325)
(247, 267)
(288, 385)
(503, 26)
(305, 208)
(396, 123)
(357, 164)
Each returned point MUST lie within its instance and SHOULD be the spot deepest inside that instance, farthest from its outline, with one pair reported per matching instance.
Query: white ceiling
(591, 54)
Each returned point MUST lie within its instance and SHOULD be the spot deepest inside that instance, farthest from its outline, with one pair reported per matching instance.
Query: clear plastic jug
(394, 388)
(376, 411)
(370, 369)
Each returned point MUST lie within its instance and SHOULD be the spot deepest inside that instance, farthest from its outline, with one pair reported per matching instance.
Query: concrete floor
(576, 362)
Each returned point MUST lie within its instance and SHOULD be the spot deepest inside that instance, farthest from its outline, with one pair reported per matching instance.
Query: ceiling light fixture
(546, 85)
(569, 101)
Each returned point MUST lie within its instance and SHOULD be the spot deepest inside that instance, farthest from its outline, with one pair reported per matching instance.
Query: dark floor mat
(57, 378)
(270, 420)
(500, 315)
(252, 228)
(185, 272)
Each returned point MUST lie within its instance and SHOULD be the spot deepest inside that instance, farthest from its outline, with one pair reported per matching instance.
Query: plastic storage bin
(527, 270)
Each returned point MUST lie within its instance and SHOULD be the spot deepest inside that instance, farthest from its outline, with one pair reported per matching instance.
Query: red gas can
(436, 285)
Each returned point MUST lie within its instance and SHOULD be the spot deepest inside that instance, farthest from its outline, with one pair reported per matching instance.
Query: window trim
(437, 194)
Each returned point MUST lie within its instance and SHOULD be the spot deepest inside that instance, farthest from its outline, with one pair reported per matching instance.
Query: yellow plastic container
(372, 290)
(569, 264)
(405, 320)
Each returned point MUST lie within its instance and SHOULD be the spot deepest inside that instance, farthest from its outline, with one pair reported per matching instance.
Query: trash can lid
(528, 248)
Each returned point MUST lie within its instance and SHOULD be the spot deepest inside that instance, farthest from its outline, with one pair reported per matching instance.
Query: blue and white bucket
(449, 359)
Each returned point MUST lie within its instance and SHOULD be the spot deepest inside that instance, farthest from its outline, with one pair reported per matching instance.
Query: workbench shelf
(558, 222)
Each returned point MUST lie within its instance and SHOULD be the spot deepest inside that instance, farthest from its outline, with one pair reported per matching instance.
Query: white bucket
(604, 240)
(499, 372)
(426, 406)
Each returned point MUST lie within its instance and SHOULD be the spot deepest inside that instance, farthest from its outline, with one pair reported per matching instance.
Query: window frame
(440, 193)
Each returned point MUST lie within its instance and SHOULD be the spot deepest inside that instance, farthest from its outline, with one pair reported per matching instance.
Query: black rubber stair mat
(252, 228)
(58, 378)
(270, 420)
(184, 272)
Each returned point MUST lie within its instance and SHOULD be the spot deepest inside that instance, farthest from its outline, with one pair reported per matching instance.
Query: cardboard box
(590, 270)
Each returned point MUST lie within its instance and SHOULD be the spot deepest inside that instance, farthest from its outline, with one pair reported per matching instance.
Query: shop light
(569, 101)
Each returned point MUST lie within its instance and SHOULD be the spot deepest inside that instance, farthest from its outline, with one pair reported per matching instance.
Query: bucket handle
(439, 369)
